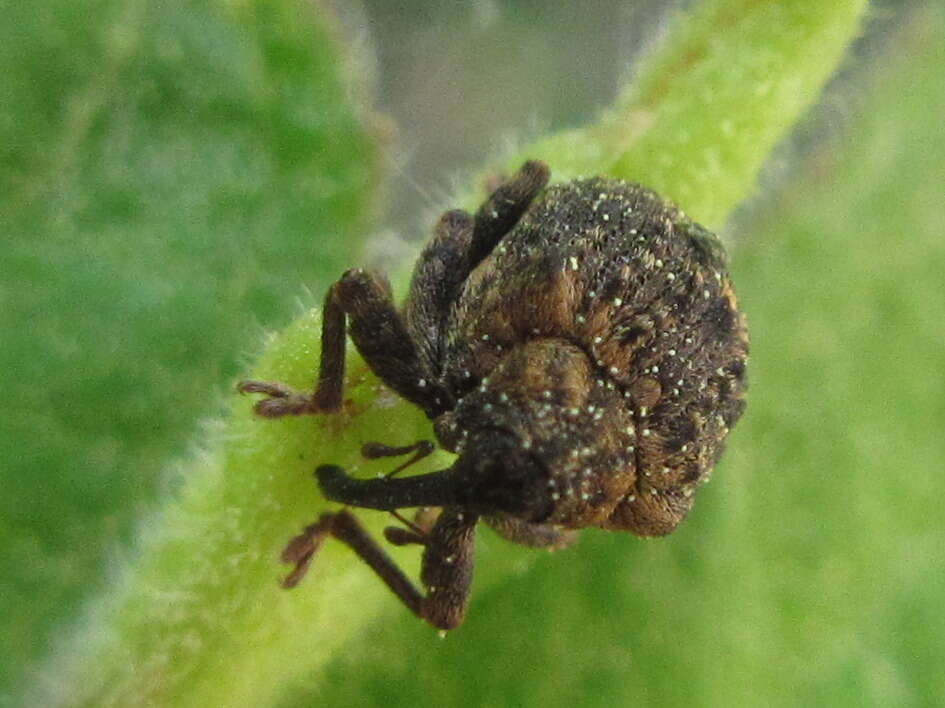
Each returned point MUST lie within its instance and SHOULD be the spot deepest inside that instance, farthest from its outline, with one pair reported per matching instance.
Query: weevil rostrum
(579, 347)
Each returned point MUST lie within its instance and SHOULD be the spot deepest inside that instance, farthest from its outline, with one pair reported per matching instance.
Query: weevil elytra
(579, 347)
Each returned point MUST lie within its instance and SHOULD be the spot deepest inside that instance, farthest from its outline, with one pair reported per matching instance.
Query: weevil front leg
(283, 400)
(446, 571)
(363, 299)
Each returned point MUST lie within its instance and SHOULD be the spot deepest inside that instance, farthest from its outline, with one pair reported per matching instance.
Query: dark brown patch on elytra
(579, 347)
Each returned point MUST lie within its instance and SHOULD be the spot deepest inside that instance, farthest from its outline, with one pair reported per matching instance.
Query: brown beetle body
(608, 335)
(580, 349)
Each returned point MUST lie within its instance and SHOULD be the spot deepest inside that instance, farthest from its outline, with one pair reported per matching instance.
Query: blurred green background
(173, 175)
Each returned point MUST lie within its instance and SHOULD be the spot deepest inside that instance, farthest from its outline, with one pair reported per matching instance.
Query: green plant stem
(711, 101)
(198, 618)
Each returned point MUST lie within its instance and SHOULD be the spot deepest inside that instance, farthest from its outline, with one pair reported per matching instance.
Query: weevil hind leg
(505, 206)
(447, 563)
(459, 243)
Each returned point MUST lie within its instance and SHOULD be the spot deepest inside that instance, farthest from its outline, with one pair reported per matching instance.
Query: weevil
(579, 347)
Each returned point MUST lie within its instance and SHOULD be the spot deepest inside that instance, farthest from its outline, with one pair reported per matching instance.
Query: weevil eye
(504, 477)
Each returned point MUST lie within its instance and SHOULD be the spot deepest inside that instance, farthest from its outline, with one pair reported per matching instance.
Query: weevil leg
(282, 400)
(386, 343)
(382, 338)
(447, 563)
(447, 568)
(302, 549)
(460, 242)
(504, 207)
(343, 526)
(532, 535)
(437, 277)
(404, 351)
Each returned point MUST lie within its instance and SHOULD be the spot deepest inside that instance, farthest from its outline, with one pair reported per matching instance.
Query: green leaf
(171, 174)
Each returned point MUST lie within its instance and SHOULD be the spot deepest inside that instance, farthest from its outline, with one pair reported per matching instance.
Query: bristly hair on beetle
(578, 346)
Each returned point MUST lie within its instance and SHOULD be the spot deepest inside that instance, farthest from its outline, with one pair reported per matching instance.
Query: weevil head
(542, 437)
